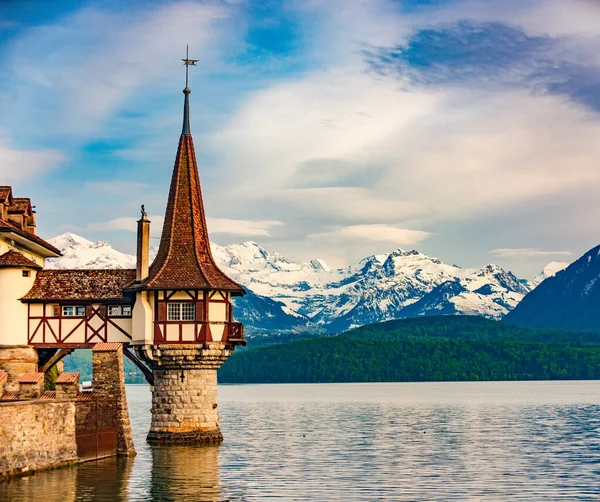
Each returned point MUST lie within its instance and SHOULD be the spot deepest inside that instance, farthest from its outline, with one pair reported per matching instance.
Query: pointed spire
(185, 131)
(184, 259)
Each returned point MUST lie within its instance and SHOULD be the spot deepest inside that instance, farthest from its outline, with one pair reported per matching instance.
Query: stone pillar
(67, 386)
(184, 396)
(108, 383)
(17, 360)
(31, 385)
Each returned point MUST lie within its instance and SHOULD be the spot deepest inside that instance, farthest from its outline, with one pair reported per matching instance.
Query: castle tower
(182, 319)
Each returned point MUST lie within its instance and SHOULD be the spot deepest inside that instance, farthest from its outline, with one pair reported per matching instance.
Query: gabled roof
(79, 285)
(184, 259)
(7, 226)
(21, 205)
(14, 259)
(5, 194)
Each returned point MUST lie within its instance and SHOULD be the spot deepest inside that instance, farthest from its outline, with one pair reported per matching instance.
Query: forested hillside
(436, 348)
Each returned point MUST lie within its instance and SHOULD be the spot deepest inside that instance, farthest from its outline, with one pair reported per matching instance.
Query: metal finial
(187, 62)
(186, 107)
(144, 214)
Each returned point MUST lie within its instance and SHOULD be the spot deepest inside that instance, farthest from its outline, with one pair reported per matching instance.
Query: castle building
(175, 314)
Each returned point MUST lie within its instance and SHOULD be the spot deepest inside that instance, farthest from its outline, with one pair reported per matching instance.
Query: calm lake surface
(406, 441)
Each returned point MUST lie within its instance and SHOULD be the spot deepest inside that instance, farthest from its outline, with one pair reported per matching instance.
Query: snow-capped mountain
(566, 301)
(550, 270)
(288, 296)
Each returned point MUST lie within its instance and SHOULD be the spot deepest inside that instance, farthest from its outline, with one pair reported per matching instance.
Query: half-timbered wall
(49, 327)
(212, 317)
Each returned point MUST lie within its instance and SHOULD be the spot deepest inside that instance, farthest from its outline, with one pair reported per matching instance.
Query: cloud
(115, 187)
(125, 223)
(526, 253)
(215, 225)
(351, 204)
(374, 232)
(19, 165)
(241, 227)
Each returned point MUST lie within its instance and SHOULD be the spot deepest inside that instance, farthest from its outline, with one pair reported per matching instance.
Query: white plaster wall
(142, 329)
(216, 331)
(5, 247)
(13, 313)
(217, 311)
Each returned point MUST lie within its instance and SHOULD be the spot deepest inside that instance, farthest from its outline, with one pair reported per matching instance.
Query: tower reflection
(185, 472)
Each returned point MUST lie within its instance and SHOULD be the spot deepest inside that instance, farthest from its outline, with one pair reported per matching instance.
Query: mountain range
(284, 296)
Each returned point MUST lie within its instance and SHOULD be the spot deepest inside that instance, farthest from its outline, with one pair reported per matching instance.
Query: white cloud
(526, 253)
(126, 223)
(18, 165)
(241, 227)
(375, 232)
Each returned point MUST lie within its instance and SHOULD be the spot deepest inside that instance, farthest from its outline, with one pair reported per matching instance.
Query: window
(26, 273)
(73, 311)
(181, 311)
(119, 310)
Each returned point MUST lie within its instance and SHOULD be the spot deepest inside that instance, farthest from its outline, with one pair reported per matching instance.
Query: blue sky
(467, 129)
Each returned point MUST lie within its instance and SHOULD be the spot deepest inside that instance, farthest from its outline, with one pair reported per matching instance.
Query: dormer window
(181, 311)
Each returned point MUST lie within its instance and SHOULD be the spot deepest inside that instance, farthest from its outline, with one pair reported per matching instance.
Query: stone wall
(17, 360)
(184, 397)
(36, 434)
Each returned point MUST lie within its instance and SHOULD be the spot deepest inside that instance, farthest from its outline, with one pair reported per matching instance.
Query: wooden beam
(54, 359)
(147, 373)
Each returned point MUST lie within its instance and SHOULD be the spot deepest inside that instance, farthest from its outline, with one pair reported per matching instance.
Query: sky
(466, 129)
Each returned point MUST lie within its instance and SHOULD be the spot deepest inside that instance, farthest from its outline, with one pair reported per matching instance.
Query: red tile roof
(11, 396)
(7, 226)
(15, 259)
(20, 205)
(107, 347)
(5, 193)
(184, 259)
(73, 285)
(68, 377)
(85, 396)
(3, 376)
(49, 394)
(32, 377)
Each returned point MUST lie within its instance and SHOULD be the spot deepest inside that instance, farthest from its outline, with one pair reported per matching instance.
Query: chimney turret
(143, 247)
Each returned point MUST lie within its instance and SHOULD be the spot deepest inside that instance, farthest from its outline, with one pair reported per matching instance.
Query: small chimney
(143, 247)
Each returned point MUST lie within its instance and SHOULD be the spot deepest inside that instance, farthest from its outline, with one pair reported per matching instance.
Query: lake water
(406, 441)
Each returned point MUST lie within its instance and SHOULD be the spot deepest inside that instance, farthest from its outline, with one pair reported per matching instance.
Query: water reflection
(498, 441)
(181, 473)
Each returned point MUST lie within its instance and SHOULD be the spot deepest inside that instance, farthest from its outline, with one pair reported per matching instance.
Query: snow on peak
(549, 270)
(79, 252)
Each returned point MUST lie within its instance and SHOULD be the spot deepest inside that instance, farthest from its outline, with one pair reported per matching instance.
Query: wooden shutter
(89, 312)
(102, 310)
(162, 311)
(57, 310)
(199, 311)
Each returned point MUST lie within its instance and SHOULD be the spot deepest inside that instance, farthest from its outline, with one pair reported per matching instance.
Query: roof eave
(24, 240)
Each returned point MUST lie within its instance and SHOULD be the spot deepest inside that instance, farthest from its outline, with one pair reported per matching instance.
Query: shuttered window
(181, 311)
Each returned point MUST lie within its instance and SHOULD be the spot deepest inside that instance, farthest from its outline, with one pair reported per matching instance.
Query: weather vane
(187, 62)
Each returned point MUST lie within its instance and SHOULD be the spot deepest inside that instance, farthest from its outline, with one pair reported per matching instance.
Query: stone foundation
(17, 360)
(184, 397)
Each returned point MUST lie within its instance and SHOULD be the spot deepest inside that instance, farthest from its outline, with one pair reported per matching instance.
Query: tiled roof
(32, 377)
(15, 259)
(3, 376)
(7, 226)
(85, 396)
(49, 394)
(20, 205)
(184, 258)
(106, 347)
(11, 396)
(80, 285)
(5, 192)
(68, 377)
